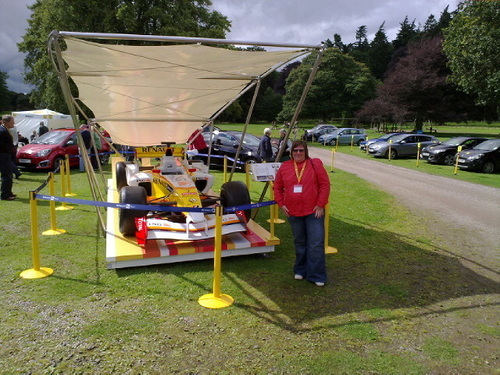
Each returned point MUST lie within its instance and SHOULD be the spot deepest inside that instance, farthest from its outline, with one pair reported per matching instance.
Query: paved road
(464, 218)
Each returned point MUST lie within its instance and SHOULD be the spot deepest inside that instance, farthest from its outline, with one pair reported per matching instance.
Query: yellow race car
(169, 187)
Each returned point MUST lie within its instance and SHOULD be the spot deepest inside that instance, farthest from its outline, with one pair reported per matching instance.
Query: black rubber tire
(394, 154)
(121, 175)
(488, 167)
(359, 142)
(104, 159)
(57, 163)
(332, 142)
(133, 195)
(449, 159)
(235, 193)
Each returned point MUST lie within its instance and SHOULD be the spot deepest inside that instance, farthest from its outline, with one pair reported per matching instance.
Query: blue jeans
(309, 239)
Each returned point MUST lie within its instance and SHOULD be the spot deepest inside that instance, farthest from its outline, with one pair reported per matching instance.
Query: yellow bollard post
(36, 272)
(337, 143)
(418, 152)
(390, 150)
(63, 206)
(366, 145)
(456, 160)
(352, 142)
(332, 158)
(274, 213)
(68, 177)
(328, 249)
(53, 229)
(216, 300)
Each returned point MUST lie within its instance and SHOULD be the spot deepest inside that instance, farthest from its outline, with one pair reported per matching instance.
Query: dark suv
(445, 153)
(226, 143)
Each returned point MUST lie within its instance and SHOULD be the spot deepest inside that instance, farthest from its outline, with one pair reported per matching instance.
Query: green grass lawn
(395, 302)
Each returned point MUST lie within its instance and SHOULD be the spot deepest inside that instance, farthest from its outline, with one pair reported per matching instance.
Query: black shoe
(18, 175)
(11, 198)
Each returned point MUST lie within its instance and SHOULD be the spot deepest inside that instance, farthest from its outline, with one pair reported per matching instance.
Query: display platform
(123, 251)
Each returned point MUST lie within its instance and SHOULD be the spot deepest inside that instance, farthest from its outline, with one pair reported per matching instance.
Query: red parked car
(48, 150)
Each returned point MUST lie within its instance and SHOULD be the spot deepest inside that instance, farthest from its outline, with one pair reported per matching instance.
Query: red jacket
(315, 187)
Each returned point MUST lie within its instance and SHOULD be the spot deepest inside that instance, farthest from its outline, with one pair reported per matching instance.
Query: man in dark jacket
(265, 149)
(6, 165)
(42, 129)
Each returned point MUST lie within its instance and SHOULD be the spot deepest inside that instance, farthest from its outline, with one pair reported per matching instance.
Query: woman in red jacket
(301, 189)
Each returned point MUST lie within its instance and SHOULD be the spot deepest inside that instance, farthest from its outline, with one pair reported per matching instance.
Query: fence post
(328, 249)
(216, 300)
(68, 177)
(63, 206)
(332, 158)
(53, 229)
(456, 159)
(36, 272)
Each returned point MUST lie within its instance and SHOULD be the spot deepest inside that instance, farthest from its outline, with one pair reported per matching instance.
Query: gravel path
(463, 218)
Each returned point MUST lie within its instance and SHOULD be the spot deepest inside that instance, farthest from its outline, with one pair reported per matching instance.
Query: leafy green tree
(417, 89)
(5, 94)
(407, 32)
(340, 87)
(154, 17)
(473, 49)
(380, 53)
(360, 49)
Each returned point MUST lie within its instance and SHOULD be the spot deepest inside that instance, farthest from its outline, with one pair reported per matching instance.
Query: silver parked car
(343, 136)
(317, 131)
(402, 145)
(364, 144)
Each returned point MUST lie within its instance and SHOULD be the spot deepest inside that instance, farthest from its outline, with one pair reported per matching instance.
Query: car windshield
(490, 145)
(51, 138)
(249, 140)
(387, 136)
(317, 127)
(457, 141)
(398, 137)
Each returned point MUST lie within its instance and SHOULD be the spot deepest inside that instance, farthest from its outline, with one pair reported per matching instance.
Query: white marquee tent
(29, 121)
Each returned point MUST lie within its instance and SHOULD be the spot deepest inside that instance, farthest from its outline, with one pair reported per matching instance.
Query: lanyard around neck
(299, 175)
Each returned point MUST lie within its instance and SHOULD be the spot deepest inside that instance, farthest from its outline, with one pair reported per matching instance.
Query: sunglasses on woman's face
(298, 150)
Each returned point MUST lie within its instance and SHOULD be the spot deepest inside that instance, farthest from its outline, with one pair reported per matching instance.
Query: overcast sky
(293, 21)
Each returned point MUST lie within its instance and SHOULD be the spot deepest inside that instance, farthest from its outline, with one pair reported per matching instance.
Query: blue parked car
(364, 144)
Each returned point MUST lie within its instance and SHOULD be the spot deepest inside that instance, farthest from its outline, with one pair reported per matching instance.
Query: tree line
(444, 70)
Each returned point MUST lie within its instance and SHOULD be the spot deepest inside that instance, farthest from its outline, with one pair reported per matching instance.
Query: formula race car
(175, 182)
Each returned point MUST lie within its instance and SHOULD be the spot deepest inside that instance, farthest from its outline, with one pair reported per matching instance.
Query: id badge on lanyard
(298, 187)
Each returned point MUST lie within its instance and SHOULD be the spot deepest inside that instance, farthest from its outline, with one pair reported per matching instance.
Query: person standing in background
(301, 189)
(15, 141)
(265, 150)
(286, 152)
(6, 149)
(42, 129)
(87, 143)
(197, 142)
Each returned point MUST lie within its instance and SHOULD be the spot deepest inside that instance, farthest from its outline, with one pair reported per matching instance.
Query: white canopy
(29, 121)
(145, 95)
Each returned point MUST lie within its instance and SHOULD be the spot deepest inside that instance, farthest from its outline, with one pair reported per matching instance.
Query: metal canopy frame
(55, 54)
